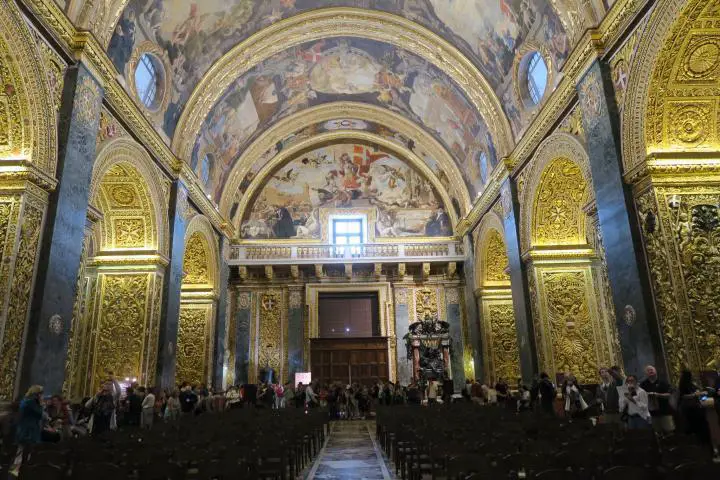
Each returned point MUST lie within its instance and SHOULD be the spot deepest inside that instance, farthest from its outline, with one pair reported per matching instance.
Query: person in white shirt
(310, 397)
(432, 392)
(148, 410)
(634, 405)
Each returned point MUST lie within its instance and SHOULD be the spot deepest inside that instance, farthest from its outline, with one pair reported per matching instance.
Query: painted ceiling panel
(194, 34)
(340, 69)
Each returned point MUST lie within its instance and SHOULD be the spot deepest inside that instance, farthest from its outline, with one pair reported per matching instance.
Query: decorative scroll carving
(192, 343)
(195, 265)
(129, 232)
(401, 296)
(19, 302)
(154, 332)
(557, 220)
(569, 326)
(501, 338)
(270, 351)
(496, 260)
(426, 303)
(452, 297)
(121, 327)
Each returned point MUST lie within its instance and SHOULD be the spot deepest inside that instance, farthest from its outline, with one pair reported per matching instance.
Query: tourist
(59, 418)
(503, 390)
(659, 393)
(148, 410)
(432, 392)
(102, 408)
(634, 405)
(476, 392)
(172, 409)
(311, 399)
(134, 401)
(608, 398)
(547, 394)
(575, 405)
(29, 426)
(523, 402)
(279, 396)
(691, 407)
(413, 394)
(188, 399)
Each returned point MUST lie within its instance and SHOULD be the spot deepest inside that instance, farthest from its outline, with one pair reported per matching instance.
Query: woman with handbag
(102, 408)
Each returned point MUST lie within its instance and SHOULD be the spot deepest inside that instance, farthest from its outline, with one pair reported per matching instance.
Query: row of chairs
(243, 443)
(463, 441)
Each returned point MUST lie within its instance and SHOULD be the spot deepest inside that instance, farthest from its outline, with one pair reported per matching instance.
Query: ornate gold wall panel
(194, 344)
(496, 260)
(21, 222)
(681, 233)
(272, 332)
(572, 333)
(502, 355)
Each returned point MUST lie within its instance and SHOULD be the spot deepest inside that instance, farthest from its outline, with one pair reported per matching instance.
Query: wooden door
(350, 360)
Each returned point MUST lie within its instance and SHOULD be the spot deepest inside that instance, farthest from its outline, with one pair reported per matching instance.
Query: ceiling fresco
(347, 177)
(348, 124)
(194, 34)
(340, 69)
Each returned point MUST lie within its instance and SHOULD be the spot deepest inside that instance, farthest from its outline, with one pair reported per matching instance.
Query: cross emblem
(268, 302)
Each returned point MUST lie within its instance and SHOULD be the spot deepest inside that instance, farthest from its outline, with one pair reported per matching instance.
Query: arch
(338, 22)
(566, 157)
(336, 110)
(99, 17)
(345, 137)
(136, 200)
(490, 253)
(201, 262)
(30, 132)
(674, 30)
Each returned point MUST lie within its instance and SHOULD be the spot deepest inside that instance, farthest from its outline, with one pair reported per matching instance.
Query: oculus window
(149, 80)
(537, 76)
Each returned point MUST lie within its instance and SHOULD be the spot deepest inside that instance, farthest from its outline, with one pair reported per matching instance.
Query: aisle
(350, 453)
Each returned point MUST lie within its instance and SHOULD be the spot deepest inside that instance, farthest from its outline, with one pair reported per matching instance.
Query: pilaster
(402, 323)
(46, 344)
(296, 340)
(221, 317)
(454, 318)
(243, 319)
(627, 275)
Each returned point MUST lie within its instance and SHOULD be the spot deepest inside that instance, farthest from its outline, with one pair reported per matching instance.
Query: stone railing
(256, 254)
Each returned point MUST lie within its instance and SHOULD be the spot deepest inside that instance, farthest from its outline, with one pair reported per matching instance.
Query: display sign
(304, 377)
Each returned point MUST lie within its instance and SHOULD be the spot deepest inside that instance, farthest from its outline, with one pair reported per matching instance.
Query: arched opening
(501, 355)
(573, 312)
(117, 312)
(198, 305)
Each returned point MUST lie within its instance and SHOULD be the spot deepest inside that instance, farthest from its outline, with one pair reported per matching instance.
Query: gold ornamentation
(573, 125)
(269, 273)
(196, 263)
(191, 358)
(425, 271)
(401, 296)
(270, 348)
(19, 301)
(401, 270)
(295, 299)
(689, 123)
(244, 300)
(495, 263)
(123, 196)
(503, 358)
(426, 303)
(87, 101)
(591, 98)
(129, 232)
(121, 328)
(451, 270)
(557, 217)
(295, 272)
(704, 58)
(452, 296)
(377, 270)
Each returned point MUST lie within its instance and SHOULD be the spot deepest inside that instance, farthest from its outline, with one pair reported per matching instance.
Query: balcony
(366, 253)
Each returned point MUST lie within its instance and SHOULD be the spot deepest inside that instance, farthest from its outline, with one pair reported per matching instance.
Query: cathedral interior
(222, 191)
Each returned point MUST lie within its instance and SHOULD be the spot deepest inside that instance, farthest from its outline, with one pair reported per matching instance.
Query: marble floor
(350, 453)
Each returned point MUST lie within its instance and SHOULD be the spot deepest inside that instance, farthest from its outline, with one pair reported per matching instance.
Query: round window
(149, 80)
(537, 76)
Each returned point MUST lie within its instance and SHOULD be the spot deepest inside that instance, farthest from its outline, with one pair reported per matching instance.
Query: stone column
(402, 322)
(243, 319)
(518, 281)
(178, 219)
(221, 316)
(632, 297)
(296, 331)
(61, 248)
(454, 318)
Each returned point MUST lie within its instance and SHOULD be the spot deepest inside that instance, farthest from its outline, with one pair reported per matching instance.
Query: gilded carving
(87, 100)
(690, 123)
(129, 232)
(295, 299)
(401, 296)
(270, 348)
(426, 303)
(495, 263)
(452, 297)
(244, 300)
(121, 327)
(501, 338)
(195, 265)
(191, 364)
(573, 125)
(557, 218)
(19, 301)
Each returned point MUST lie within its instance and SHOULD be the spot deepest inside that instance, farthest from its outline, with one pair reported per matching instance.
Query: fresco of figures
(341, 69)
(195, 34)
(346, 176)
(344, 124)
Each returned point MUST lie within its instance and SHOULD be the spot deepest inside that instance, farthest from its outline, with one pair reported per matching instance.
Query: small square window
(347, 231)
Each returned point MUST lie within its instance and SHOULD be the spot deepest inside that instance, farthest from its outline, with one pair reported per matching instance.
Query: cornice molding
(339, 22)
(485, 201)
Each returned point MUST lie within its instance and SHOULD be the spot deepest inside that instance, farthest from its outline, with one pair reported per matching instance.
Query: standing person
(547, 394)
(148, 409)
(29, 427)
(503, 391)
(134, 401)
(691, 409)
(575, 405)
(102, 408)
(413, 394)
(659, 392)
(188, 399)
(279, 396)
(172, 409)
(311, 399)
(634, 405)
(608, 398)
